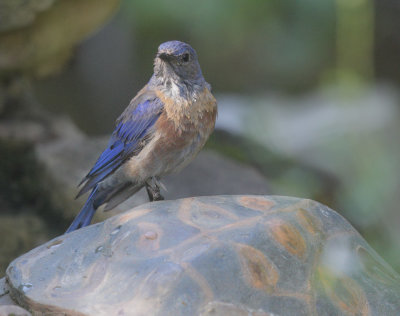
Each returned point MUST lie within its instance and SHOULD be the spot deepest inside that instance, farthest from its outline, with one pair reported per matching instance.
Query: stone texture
(7, 305)
(13, 310)
(236, 255)
(40, 38)
(19, 13)
(19, 234)
(5, 298)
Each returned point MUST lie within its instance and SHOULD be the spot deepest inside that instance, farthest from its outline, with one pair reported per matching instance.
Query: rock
(13, 310)
(29, 215)
(236, 255)
(7, 305)
(19, 234)
(40, 39)
(5, 298)
(19, 13)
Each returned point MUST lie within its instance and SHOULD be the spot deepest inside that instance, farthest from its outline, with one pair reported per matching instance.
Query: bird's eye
(185, 57)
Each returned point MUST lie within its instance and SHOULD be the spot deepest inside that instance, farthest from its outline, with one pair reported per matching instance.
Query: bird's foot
(153, 190)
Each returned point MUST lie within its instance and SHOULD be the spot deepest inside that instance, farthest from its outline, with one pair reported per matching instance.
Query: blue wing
(133, 130)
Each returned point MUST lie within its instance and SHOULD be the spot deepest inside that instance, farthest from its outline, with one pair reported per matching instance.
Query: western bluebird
(161, 131)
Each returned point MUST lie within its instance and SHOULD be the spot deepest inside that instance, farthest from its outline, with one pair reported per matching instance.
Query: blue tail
(86, 214)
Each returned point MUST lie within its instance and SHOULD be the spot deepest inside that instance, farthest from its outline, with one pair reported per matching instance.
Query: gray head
(177, 61)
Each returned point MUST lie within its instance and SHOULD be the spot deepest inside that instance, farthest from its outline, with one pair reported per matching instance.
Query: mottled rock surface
(7, 305)
(19, 13)
(5, 298)
(38, 37)
(236, 255)
(13, 310)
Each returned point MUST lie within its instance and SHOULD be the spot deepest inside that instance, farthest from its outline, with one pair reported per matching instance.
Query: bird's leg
(153, 190)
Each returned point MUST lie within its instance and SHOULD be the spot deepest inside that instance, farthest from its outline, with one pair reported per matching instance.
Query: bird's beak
(164, 56)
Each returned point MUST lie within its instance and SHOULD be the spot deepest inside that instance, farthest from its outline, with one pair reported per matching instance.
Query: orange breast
(184, 128)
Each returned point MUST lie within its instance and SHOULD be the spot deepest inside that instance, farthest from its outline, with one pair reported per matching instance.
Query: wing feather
(133, 130)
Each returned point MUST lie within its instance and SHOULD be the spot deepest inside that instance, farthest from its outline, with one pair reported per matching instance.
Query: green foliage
(243, 45)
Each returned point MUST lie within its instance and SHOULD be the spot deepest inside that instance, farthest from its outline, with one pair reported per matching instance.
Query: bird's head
(177, 61)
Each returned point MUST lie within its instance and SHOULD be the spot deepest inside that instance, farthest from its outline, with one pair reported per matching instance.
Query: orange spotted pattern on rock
(219, 210)
(199, 279)
(205, 216)
(345, 293)
(288, 236)
(122, 219)
(257, 270)
(308, 221)
(256, 203)
(184, 212)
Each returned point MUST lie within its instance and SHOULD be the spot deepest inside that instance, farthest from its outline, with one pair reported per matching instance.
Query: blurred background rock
(308, 104)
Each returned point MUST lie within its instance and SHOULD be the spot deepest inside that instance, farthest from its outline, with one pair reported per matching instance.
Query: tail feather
(121, 195)
(86, 214)
(112, 196)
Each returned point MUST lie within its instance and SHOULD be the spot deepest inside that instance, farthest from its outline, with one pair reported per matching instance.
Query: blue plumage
(133, 128)
(85, 215)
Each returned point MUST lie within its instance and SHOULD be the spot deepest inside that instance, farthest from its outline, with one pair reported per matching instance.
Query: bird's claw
(153, 190)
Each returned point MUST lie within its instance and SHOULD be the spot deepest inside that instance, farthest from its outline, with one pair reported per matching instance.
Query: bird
(160, 132)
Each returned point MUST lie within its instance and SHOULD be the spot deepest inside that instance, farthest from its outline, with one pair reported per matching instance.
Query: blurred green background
(308, 92)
